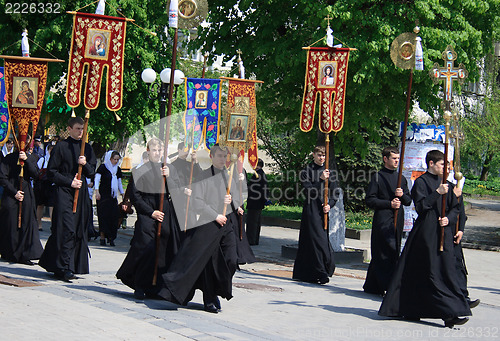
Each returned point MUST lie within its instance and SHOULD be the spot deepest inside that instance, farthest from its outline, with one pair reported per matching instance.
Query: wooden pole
(82, 153)
(325, 196)
(21, 176)
(445, 175)
(228, 191)
(165, 151)
(403, 142)
(190, 177)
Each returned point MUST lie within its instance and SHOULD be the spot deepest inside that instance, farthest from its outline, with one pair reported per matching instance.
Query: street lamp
(159, 91)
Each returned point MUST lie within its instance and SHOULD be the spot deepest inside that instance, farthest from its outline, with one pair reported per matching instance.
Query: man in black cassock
(314, 262)
(183, 168)
(257, 198)
(425, 282)
(383, 196)
(137, 270)
(66, 252)
(461, 268)
(20, 245)
(207, 258)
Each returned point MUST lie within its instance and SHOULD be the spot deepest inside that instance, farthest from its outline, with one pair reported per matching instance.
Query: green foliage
(283, 211)
(481, 126)
(478, 187)
(52, 34)
(359, 220)
(271, 34)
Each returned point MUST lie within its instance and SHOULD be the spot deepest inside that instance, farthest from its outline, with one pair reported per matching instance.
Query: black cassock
(207, 258)
(107, 207)
(67, 247)
(461, 268)
(18, 244)
(385, 240)
(425, 283)
(314, 259)
(137, 269)
(183, 168)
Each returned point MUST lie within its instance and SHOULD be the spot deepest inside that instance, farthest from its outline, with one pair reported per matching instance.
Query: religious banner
(202, 112)
(25, 82)
(98, 41)
(326, 73)
(4, 112)
(238, 127)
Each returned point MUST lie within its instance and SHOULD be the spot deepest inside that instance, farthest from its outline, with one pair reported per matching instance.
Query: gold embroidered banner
(98, 41)
(25, 83)
(238, 127)
(326, 74)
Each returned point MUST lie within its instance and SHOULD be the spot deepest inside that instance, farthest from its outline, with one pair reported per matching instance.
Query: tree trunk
(486, 165)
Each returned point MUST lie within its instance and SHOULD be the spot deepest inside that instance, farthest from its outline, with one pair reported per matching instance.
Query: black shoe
(211, 308)
(64, 275)
(111, 242)
(217, 303)
(473, 304)
(323, 280)
(139, 294)
(27, 262)
(103, 242)
(68, 274)
(449, 323)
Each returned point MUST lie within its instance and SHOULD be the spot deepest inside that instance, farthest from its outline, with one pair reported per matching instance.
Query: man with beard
(207, 259)
(138, 268)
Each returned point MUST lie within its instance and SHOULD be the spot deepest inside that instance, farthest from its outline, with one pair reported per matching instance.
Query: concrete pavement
(267, 304)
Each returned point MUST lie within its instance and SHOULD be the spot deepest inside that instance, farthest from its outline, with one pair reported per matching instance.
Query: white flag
(329, 36)
(100, 7)
(173, 14)
(419, 55)
(25, 46)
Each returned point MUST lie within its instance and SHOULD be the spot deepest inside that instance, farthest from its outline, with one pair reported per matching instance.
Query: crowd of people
(190, 234)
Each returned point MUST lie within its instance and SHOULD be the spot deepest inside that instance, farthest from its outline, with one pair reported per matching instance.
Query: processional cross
(448, 73)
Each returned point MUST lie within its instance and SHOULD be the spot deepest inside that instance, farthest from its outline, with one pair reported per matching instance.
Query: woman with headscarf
(108, 183)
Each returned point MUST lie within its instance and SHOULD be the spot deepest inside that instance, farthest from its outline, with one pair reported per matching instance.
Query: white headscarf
(112, 169)
(5, 151)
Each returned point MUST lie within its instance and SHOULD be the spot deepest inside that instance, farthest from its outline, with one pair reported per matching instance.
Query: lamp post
(159, 90)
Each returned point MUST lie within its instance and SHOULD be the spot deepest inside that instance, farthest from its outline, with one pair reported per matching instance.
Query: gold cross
(239, 54)
(328, 18)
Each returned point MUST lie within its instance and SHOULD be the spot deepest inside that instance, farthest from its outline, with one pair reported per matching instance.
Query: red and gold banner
(239, 125)
(326, 74)
(25, 83)
(98, 41)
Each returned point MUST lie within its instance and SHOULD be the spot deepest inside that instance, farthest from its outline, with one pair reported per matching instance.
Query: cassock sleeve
(89, 169)
(55, 162)
(372, 200)
(333, 192)
(405, 198)
(31, 167)
(136, 199)
(8, 187)
(423, 201)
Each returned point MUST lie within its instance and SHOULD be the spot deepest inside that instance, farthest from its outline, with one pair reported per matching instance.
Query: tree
(482, 124)
(270, 34)
(53, 33)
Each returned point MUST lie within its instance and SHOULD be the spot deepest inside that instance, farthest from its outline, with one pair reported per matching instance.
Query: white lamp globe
(165, 75)
(148, 75)
(178, 77)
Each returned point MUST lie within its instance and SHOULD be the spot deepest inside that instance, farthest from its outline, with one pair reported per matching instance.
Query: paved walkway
(267, 304)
